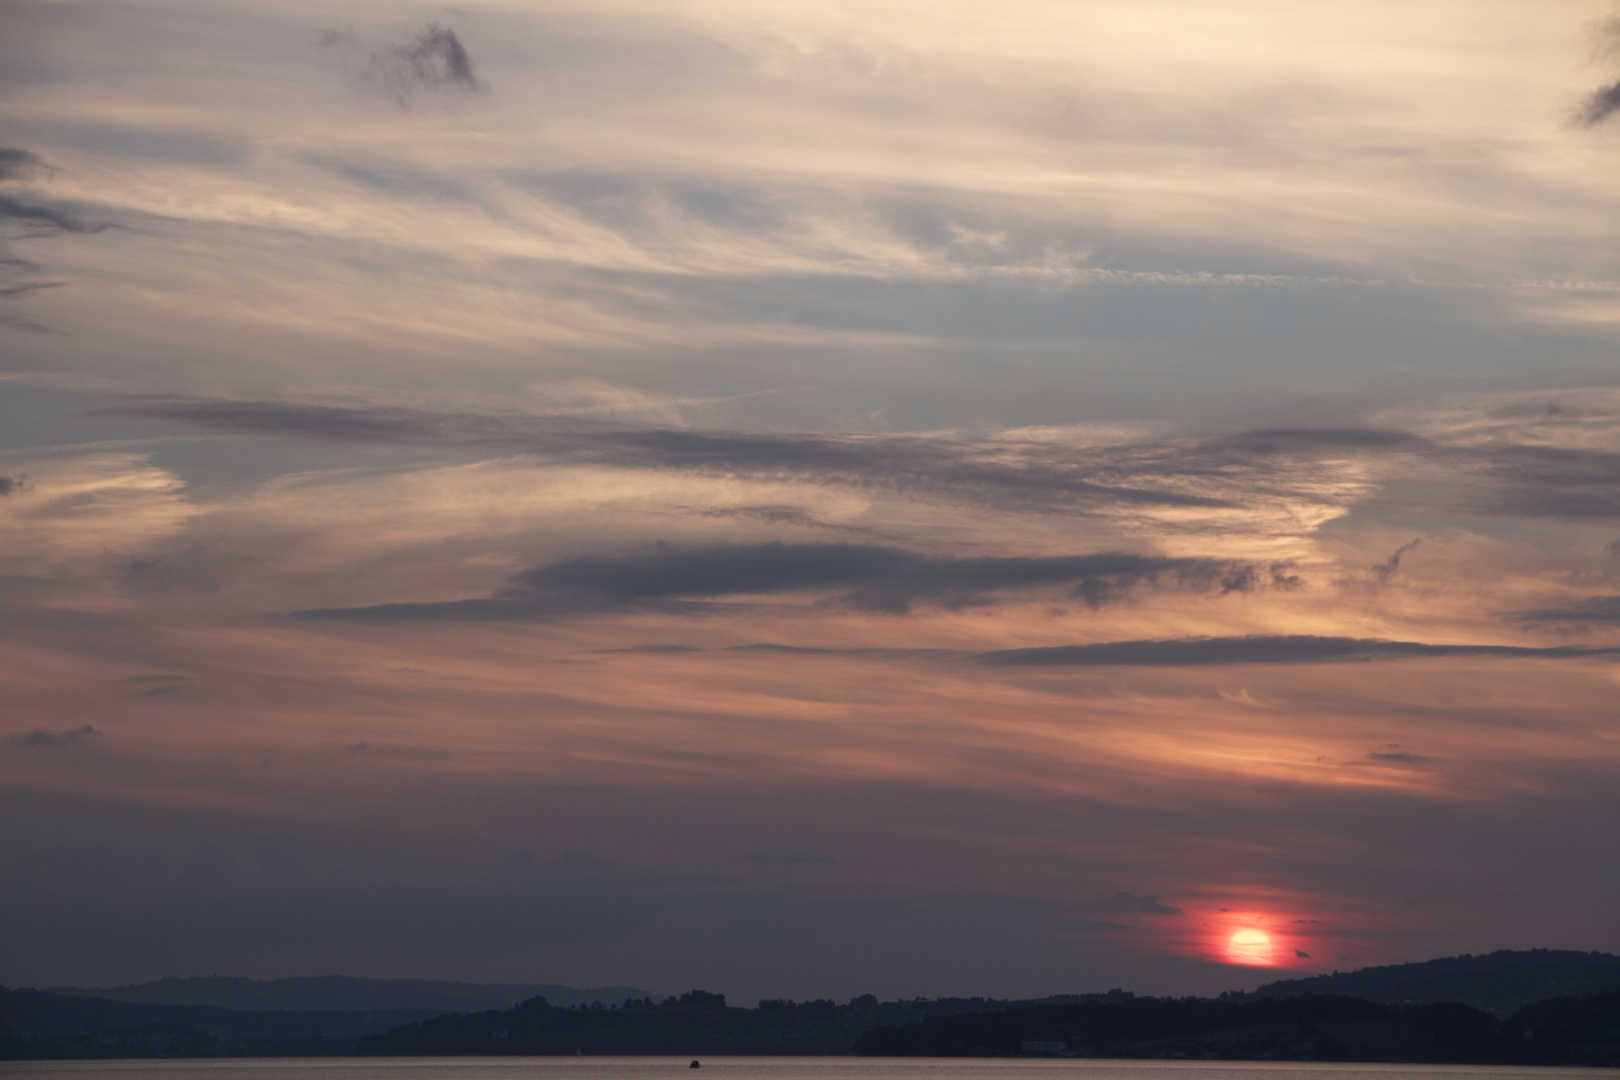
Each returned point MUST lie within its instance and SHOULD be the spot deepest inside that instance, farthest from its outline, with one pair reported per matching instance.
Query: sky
(804, 498)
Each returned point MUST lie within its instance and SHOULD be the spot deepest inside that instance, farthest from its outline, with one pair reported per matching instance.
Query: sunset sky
(803, 498)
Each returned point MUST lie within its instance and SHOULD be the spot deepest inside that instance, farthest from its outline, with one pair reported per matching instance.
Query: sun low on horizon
(807, 499)
(1243, 937)
(1251, 947)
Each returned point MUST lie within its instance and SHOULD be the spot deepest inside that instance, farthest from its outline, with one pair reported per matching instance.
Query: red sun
(1250, 946)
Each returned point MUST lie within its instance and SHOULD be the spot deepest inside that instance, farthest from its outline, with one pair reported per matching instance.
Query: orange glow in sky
(1250, 946)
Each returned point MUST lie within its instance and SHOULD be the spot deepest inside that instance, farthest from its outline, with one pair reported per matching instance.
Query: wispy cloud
(1399, 757)
(1604, 103)
(1124, 903)
(863, 577)
(44, 219)
(17, 164)
(40, 219)
(1591, 610)
(432, 59)
(31, 220)
(1270, 649)
(1037, 476)
(1194, 653)
(37, 740)
(1213, 473)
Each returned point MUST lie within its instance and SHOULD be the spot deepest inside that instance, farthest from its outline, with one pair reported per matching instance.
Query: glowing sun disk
(1249, 946)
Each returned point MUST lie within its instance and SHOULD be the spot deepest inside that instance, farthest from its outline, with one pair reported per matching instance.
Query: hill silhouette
(1500, 983)
(1308, 1027)
(1541, 1007)
(36, 1024)
(697, 1023)
(343, 992)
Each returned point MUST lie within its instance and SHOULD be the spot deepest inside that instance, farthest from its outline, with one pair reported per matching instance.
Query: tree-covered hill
(348, 994)
(1500, 983)
(1583, 1030)
(696, 1023)
(1440, 1011)
(1563, 1031)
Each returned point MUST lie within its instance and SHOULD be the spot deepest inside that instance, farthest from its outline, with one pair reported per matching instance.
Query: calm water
(744, 1068)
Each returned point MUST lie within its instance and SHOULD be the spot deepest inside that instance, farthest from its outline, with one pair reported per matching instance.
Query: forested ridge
(1398, 1019)
(1580, 1030)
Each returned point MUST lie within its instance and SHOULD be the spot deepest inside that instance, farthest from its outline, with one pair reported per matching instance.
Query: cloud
(18, 164)
(159, 685)
(47, 218)
(1554, 482)
(36, 220)
(432, 60)
(1593, 609)
(11, 484)
(1388, 569)
(38, 739)
(782, 514)
(1399, 757)
(867, 577)
(771, 515)
(1602, 104)
(1244, 470)
(1124, 902)
(333, 38)
(1302, 954)
(17, 322)
(1205, 652)
(28, 287)
(1265, 649)
(1027, 476)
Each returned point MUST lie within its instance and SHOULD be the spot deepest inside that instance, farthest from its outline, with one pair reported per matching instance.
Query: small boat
(695, 1064)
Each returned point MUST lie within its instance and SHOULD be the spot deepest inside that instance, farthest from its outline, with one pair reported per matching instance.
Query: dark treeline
(345, 993)
(694, 1023)
(1574, 1030)
(1501, 982)
(38, 1024)
(1562, 1031)
(1582, 1030)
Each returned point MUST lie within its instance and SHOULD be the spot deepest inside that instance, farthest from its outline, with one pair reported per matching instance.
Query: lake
(758, 1068)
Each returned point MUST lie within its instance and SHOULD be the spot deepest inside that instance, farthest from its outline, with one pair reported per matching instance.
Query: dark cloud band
(1266, 649)
(18, 164)
(1199, 652)
(1602, 104)
(865, 577)
(1031, 477)
(1593, 609)
(1228, 471)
